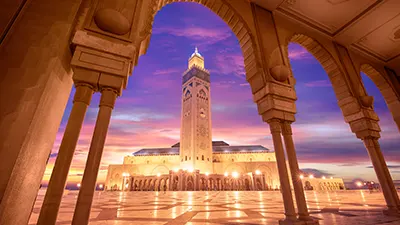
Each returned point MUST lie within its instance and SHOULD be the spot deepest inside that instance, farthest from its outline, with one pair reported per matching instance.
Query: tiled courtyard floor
(208, 208)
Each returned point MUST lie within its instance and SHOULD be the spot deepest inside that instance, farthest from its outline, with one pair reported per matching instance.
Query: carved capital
(286, 128)
(108, 97)
(274, 125)
(84, 92)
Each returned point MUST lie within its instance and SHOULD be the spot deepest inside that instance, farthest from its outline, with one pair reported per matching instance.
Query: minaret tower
(196, 143)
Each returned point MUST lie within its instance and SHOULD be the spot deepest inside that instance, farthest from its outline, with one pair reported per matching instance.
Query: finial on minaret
(198, 61)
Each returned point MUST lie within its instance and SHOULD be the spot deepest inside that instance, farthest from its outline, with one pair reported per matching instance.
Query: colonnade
(36, 77)
(55, 189)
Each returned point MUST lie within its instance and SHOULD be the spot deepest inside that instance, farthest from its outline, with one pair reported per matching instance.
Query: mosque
(197, 163)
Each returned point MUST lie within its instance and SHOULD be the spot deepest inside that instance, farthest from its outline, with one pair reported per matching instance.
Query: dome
(196, 52)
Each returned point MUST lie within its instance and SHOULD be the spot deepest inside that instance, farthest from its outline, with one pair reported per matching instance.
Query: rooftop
(218, 147)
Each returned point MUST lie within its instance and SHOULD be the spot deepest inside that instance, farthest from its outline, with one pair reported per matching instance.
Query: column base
(392, 212)
(291, 222)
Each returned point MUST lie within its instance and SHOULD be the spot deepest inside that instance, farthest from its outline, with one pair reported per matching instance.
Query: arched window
(233, 160)
(185, 158)
(202, 157)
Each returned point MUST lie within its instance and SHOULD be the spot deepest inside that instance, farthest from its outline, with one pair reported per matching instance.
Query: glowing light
(125, 174)
(359, 184)
(235, 174)
(372, 182)
(101, 186)
(207, 173)
(301, 176)
(258, 172)
(158, 174)
(323, 177)
(190, 170)
(78, 185)
(331, 177)
(311, 176)
(226, 174)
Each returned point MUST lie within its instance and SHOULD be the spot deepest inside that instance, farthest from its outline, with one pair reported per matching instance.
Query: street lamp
(158, 174)
(226, 174)
(101, 186)
(301, 176)
(78, 185)
(258, 172)
(359, 184)
(323, 177)
(311, 176)
(207, 174)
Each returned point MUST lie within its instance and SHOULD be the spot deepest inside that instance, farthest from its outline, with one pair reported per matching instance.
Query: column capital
(286, 127)
(108, 97)
(84, 92)
(274, 125)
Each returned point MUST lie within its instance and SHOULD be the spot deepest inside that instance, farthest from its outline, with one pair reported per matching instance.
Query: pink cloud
(167, 71)
(318, 83)
(229, 64)
(299, 53)
(205, 36)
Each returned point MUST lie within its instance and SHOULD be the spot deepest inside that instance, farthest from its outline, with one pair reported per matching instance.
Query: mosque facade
(197, 163)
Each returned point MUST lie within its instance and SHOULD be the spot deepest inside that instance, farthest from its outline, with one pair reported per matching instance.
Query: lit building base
(184, 180)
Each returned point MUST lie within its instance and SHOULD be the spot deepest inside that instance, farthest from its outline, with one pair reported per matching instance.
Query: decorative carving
(112, 21)
(274, 125)
(367, 101)
(280, 73)
(395, 35)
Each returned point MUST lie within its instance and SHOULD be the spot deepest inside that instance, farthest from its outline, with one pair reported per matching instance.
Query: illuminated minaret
(195, 144)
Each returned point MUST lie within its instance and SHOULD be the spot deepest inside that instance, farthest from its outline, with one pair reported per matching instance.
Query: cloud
(315, 172)
(318, 83)
(389, 166)
(167, 71)
(228, 63)
(201, 35)
(298, 53)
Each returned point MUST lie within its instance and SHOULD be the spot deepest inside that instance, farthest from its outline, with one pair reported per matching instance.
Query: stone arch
(234, 168)
(162, 169)
(233, 18)
(391, 98)
(336, 76)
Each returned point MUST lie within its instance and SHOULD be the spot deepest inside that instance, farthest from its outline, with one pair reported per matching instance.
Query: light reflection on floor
(251, 207)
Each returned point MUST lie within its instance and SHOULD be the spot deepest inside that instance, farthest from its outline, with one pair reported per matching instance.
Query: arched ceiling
(371, 27)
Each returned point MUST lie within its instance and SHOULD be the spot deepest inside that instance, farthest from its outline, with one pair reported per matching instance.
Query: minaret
(196, 143)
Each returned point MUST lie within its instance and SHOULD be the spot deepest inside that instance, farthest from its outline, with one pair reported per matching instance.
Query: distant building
(197, 162)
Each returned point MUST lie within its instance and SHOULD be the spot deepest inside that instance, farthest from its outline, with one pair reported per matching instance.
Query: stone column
(387, 174)
(294, 170)
(275, 127)
(385, 180)
(88, 185)
(54, 193)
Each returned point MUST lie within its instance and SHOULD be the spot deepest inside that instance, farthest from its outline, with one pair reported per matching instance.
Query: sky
(148, 112)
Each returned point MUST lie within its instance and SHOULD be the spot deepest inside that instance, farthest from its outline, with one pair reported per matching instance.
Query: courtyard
(234, 207)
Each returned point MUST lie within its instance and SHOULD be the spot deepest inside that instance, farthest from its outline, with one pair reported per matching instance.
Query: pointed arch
(327, 61)
(391, 98)
(234, 19)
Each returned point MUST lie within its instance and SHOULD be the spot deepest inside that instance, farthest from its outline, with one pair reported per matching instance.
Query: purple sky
(148, 113)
